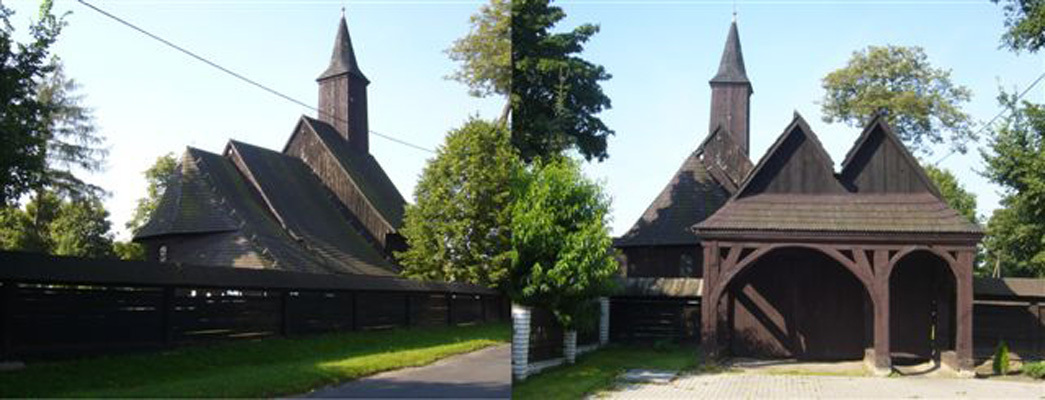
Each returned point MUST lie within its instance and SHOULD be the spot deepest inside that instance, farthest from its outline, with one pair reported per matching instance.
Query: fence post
(482, 306)
(7, 298)
(520, 341)
(604, 320)
(450, 309)
(167, 316)
(355, 311)
(407, 297)
(284, 326)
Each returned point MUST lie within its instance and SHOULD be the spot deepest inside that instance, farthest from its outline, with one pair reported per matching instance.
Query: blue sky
(150, 100)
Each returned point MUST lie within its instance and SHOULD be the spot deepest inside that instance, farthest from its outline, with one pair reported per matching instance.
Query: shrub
(1001, 359)
(1034, 370)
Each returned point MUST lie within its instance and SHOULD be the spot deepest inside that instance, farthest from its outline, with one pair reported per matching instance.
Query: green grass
(1034, 370)
(598, 370)
(262, 368)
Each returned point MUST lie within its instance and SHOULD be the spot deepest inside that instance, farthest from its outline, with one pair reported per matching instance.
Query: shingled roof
(365, 172)
(785, 192)
(187, 206)
(343, 58)
(731, 67)
(702, 184)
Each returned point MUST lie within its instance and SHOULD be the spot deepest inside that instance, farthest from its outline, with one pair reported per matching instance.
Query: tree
(562, 257)
(53, 225)
(81, 228)
(24, 116)
(555, 94)
(485, 53)
(920, 101)
(1015, 160)
(458, 227)
(157, 177)
(1025, 24)
(954, 193)
(71, 138)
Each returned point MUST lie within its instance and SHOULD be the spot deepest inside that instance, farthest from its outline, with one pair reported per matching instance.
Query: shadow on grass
(268, 367)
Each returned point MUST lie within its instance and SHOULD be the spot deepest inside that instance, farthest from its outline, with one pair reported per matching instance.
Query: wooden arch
(859, 266)
(952, 263)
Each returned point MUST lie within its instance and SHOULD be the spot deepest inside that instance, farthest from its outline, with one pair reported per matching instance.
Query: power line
(1000, 113)
(240, 76)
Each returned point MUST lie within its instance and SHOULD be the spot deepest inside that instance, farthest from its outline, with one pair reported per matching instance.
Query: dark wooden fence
(60, 306)
(546, 336)
(648, 320)
(1012, 310)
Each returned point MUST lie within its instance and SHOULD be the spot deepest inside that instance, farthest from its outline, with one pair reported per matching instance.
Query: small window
(686, 265)
(163, 253)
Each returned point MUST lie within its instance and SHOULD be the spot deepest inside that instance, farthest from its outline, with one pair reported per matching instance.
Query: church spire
(731, 92)
(731, 67)
(343, 59)
(342, 93)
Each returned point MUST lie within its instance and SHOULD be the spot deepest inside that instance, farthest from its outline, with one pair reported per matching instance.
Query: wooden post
(482, 307)
(709, 303)
(284, 326)
(883, 363)
(7, 298)
(407, 298)
(450, 309)
(167, 316)
(355, 311)
(964, 312)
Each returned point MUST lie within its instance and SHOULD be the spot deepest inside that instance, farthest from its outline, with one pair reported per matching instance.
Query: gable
(880, 163)
(796, 164)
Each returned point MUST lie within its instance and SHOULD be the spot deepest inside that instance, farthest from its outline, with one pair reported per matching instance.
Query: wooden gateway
(800, 261)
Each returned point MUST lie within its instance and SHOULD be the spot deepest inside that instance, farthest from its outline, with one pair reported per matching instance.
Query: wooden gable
(796, 164)
(880, 163)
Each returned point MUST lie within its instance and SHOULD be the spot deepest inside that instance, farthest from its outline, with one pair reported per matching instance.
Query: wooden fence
(546, 336)
(60, 306)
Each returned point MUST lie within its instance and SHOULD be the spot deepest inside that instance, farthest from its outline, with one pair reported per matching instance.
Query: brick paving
(759, 386)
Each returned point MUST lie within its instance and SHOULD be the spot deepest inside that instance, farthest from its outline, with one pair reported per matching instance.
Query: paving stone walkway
(757, 386)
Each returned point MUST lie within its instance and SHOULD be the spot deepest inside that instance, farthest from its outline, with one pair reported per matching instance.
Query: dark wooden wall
(922, 299)
(1019, 322)
(128, 307)
(880, 166)
(662, 261)
(798, 166)
(653, 319)
(730, 108)
(796, 304)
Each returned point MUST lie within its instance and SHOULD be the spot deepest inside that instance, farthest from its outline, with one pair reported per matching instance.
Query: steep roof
(306, 210)
(366, 173)
(187, 206)
(701, 185)
(343, 58)
(731, 67)
(793, 188)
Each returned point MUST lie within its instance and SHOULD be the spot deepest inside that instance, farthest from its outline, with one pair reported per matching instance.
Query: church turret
(731, 92)
(342, 93)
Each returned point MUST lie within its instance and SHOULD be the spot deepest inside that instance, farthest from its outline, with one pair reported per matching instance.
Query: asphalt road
(480, 374)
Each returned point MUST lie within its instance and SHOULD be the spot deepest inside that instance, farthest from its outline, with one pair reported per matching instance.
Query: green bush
(1034, 370)
(1001, 359)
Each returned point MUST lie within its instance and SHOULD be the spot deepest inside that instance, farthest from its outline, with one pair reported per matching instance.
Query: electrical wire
(240, 76)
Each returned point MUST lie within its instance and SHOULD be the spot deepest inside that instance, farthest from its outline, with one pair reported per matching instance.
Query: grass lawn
(263, 368)
(598, 370)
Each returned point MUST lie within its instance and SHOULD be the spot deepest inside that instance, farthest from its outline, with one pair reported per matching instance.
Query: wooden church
(322, 204)
(790, 258)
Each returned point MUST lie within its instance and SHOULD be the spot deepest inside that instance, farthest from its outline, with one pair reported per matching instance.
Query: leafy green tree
(82, 228)
(157, 177)
(953, 192)
(1015, 160)
(485, 53)
(458, 227)
(555, 94)
(128, 250)
(1025, 24)
(24, 116)
(562, 257)
(53, 225)
(920, 101)
(71, 137)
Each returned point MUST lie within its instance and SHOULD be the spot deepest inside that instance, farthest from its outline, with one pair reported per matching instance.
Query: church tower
(342, 93)
(731, 93)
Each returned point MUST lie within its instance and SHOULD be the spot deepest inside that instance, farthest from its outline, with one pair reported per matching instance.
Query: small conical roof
(343, 59)
(731, 68)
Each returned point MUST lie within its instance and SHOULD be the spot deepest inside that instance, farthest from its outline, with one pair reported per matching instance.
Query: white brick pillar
(520, 341)
(604, 321)
(569, 346)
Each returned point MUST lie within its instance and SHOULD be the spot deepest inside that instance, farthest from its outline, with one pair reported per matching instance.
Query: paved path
(755, 386)
(480, 374)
